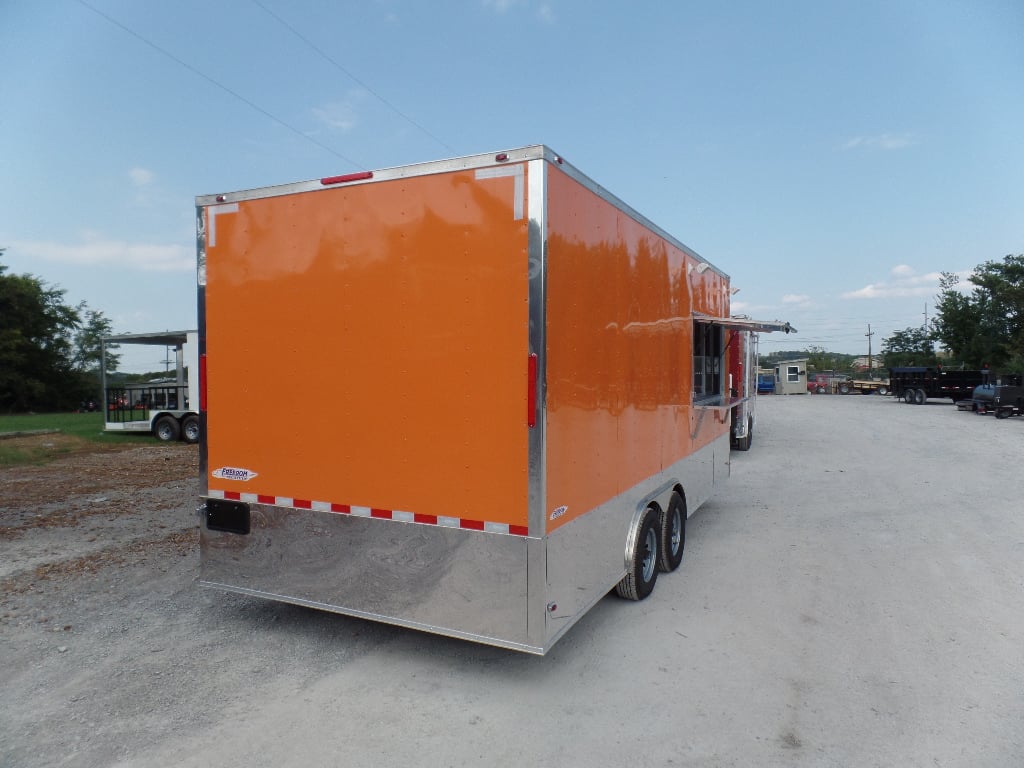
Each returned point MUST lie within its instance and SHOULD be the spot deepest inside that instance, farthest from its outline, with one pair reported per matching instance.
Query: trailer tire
(908, 396)
(642, 565)
(920, 396)
(190, 429)
(1003, 413)
(672, 534)
(167, 429)
(883, 391)
(844, 389)
(743, 444)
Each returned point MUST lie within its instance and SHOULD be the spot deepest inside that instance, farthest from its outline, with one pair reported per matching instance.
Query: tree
(911, 346)
(88, 342)
(986, 325)
(49, 358)
(35, 360)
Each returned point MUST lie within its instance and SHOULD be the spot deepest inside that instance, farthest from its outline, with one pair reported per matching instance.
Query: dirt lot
(853, 596)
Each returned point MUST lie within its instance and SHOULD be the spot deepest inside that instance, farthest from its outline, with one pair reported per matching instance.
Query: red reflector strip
(344, 179)
(371, 512)
(531, 391)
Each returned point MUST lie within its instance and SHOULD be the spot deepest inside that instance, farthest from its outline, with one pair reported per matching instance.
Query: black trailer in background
(917, 384)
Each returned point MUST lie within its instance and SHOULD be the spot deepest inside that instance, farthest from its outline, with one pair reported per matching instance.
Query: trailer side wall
(623, 428)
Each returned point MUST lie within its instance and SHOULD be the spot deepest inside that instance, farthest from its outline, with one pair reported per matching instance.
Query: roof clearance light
(501, 157)
(361, 176)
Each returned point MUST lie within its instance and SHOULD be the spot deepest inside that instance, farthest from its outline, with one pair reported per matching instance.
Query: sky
(832, 157)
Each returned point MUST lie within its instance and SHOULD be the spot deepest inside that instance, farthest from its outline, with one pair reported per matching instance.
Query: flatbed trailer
(506, 392)
(859, 387)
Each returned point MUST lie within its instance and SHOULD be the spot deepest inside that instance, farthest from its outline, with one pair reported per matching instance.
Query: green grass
(83, 428)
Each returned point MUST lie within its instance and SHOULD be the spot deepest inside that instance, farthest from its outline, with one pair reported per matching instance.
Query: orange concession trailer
(468, 396)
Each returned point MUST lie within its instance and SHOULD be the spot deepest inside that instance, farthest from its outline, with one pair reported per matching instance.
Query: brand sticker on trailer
(234, 473)
(559, 512)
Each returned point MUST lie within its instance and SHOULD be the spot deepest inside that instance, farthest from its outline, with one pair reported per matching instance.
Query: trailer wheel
(1003, 413)
(920, 396)
(672, 525)
(167, 429)
(844, 389)
(743, 444)
(639, 580)
(908, 396)
(883, 391)
(190, 429)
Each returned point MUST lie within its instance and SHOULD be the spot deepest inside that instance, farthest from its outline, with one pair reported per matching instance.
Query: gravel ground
(852, 596)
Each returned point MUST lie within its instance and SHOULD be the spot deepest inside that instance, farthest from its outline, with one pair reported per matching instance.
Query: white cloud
(545, 12)
(501, 5)
(141, 177)
(885, 142)
(147, 257)
(796, 298)
(905, 283)
(337, 115)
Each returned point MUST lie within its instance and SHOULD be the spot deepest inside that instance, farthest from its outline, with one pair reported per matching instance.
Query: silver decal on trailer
(213, 212)
(517, 172)
(234, 473)
(559, 512)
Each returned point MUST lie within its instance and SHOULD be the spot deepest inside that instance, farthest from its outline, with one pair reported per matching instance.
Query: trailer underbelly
(516, 592)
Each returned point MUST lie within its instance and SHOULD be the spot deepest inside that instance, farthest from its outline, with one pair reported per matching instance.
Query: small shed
(791, 377)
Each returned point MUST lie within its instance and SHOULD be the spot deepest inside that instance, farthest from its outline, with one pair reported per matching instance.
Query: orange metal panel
(619, 368)
(367, 345)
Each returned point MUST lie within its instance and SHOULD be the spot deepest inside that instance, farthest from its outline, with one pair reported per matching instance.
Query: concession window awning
(160, 338)
(745, 323)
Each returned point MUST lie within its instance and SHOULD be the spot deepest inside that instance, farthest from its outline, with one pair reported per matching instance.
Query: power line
(220, 85)
(348, 74)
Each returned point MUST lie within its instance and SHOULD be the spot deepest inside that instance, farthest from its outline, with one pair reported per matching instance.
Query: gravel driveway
(852, 596)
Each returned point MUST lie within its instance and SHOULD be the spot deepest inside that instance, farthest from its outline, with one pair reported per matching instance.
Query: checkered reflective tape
(371, 512)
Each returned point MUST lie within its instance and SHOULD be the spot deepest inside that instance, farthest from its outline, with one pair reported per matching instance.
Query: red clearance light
(361, 176)
(501, 157)
(221, 198)
(202, 383)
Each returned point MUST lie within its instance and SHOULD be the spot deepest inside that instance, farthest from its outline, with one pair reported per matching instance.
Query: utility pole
(869, 334)
(925, 326)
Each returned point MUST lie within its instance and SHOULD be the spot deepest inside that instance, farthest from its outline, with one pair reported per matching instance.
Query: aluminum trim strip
(469, 162)
(537, 265)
